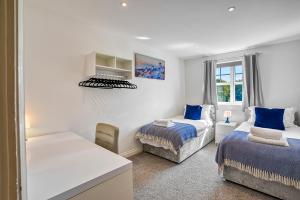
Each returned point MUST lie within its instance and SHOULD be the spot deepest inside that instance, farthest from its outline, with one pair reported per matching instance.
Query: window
(229, 81)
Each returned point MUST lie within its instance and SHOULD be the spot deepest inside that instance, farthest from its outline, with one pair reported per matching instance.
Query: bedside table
(223, 129)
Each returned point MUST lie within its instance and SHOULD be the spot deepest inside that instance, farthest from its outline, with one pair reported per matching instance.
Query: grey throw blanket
(177, 134)
(276, 160)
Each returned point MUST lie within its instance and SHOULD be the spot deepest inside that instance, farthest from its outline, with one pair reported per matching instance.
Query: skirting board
(131, 152)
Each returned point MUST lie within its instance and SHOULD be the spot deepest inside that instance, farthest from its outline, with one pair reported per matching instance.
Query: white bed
(205, 134)
(202, 126)
(273, 188)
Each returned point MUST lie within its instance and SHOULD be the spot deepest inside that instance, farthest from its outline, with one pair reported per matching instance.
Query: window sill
(230, 103)
(230, 106)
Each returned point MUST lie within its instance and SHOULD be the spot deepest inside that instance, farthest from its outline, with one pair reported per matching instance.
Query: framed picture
(148, 67)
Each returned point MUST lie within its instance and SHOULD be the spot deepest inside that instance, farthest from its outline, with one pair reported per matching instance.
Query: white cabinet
(223, 129)
(98, 63)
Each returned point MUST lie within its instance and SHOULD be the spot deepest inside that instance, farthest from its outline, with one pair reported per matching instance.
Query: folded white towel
(266, 133)
(164, 125)
(282, 142)
(163, 121)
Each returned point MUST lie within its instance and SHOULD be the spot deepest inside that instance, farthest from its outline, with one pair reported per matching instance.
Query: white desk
(66, 166)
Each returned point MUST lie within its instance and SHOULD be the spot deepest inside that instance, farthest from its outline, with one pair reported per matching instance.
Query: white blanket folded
(170, 124)
(280, 142)
(163, 121)
(266, 133)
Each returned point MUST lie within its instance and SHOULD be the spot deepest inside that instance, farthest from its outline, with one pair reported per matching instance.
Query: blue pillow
(269, 118)
(193, 112)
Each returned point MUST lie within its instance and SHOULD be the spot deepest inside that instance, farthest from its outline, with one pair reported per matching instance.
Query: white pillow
(251, 111)
(206, 112)
(288, 116)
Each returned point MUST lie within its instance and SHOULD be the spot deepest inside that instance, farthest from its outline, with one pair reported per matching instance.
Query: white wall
(55, 46)
(280, 71)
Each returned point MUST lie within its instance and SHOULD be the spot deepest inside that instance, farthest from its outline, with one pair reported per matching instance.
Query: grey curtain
(253, 95)
(209, 90)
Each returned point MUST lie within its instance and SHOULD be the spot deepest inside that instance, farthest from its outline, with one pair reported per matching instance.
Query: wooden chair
(107, 136)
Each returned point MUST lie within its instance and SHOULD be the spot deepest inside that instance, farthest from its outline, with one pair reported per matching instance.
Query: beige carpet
(195, 179)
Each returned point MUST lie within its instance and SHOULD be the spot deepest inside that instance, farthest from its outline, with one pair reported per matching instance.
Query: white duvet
(200, 125)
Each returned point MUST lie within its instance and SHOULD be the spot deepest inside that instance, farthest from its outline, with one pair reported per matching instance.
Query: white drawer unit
(223, 129)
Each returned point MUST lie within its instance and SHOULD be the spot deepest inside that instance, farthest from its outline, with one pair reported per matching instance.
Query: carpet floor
(155, 178)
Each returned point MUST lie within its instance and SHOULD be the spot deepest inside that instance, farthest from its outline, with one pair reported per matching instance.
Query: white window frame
(232, 86)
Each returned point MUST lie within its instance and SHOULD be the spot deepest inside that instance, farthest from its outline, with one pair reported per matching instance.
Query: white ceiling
(190, 27)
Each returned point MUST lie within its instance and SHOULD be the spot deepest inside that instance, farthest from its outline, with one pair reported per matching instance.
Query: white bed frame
(186, 150)
(268, 187)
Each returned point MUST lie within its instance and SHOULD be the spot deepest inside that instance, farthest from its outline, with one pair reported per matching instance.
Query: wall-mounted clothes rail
(97, 82)
(107, 72)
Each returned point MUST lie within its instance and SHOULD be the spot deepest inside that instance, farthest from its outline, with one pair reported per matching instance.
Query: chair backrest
(107, 136)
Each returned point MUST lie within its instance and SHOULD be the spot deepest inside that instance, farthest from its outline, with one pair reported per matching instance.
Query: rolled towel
(163, 121)
(266, 133)
(282, 142)
(170, 124)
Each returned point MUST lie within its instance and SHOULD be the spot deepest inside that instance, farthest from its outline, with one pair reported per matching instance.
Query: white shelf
(111, 69)
(105, 60)
(110, 64)
(124, 70)
(101, 67)
(124, 64)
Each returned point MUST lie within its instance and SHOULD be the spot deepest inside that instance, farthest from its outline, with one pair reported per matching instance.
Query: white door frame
(22, 136)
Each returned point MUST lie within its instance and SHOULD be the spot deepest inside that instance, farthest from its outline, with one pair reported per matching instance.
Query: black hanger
(95, 82)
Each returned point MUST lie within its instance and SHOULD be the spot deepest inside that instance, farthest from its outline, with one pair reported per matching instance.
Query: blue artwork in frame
(148, 67)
